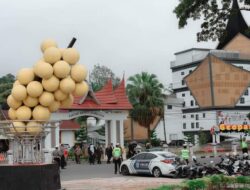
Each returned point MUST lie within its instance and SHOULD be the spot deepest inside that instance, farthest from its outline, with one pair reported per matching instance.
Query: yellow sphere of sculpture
(23, 113)
(67, 85)
(52, 55)
(43, 70)
(78, 72)
(34, 89)
(16, 83)
(54, 106)
(19, 92)
(51, 84)
(61, 69)
(67, 103)
(61, 50)
(13, 103)
(46, 98)
(25, 76)
(48, 43)
(18, 127)
(60, 95)
(12, 114)
(71, 55)
(41, 113)
(34, 127)
(81, 89)
(30, 101)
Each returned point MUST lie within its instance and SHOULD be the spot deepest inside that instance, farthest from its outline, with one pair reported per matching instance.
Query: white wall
(173, 123)
(68, 137)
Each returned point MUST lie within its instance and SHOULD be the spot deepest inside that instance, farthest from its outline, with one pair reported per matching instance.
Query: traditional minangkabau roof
(69, 125)
(216, 83)
(236, 24)
(105, 99)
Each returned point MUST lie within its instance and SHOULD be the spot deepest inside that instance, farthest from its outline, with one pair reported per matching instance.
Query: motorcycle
(196, 169)
(181, 168)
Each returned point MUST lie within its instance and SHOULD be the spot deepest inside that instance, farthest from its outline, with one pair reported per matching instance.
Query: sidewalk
(118, 183)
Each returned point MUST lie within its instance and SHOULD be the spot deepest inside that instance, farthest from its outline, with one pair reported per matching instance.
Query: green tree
(82, 133)
(154, 140)
(100, 75)
(215, 14)
(6, 83)
(145, 93)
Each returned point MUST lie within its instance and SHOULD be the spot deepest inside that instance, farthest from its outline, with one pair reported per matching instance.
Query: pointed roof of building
(216, 83)
(105, 99)
(236, 24)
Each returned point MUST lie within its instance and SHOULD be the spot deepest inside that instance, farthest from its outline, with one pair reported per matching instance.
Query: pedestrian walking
(244, 145)
(98, 154)
(56, 157)
(78, 153)
(108, 153)
(117, 157)
(63, 161)
(91, 152)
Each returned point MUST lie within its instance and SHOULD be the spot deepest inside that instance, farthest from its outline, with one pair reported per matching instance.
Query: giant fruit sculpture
(51, 84)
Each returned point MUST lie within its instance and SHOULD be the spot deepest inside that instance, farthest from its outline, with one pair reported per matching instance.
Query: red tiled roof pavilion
(105, 99)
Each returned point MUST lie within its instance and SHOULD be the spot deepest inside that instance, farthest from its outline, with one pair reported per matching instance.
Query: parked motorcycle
(181, 168)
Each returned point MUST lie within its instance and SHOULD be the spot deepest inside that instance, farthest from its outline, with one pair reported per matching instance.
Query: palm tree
(145, 93)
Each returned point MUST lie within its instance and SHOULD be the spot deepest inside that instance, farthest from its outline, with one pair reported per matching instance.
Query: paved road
(86, 171)
(102, 177)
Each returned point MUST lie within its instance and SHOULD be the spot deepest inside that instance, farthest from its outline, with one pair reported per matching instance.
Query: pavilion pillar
(107, 133)
(121, 133)
(113, 132)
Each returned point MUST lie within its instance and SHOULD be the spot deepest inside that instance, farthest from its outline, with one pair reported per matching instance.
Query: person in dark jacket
(108, 153)
(91, 152)
(99, 153)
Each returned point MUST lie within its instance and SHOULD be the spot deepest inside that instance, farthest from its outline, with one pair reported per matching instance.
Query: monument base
(30, 177)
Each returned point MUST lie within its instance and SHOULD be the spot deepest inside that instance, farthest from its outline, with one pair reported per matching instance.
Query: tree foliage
(145, 93)
(100, 75)
(6, 83)
(82, 133)
(155, 141)
(214, 12)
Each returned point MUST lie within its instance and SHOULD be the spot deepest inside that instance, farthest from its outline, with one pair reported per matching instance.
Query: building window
(196, 103)
(184, 116)
(191, 103)
(182, 73)
(192, 116)
(197, 124)
(191, 94)
(190, 71)
(242, 100)
(170, 107)
(184, 126)
(183, 94)
(197, 116)
(246, 92)
(204, 115)
(192, 125)
(183, 82)
(184, 104)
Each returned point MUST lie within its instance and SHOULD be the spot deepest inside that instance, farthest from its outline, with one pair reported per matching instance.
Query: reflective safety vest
(243, 144)
(117, 152)
(185, 154)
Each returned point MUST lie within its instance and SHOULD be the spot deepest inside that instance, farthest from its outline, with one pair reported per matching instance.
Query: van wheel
(157, 172)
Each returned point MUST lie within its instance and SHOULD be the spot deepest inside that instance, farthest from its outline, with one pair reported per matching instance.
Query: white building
(214, 84)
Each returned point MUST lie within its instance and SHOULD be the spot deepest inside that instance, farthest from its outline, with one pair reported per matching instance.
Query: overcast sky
(128, 36)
